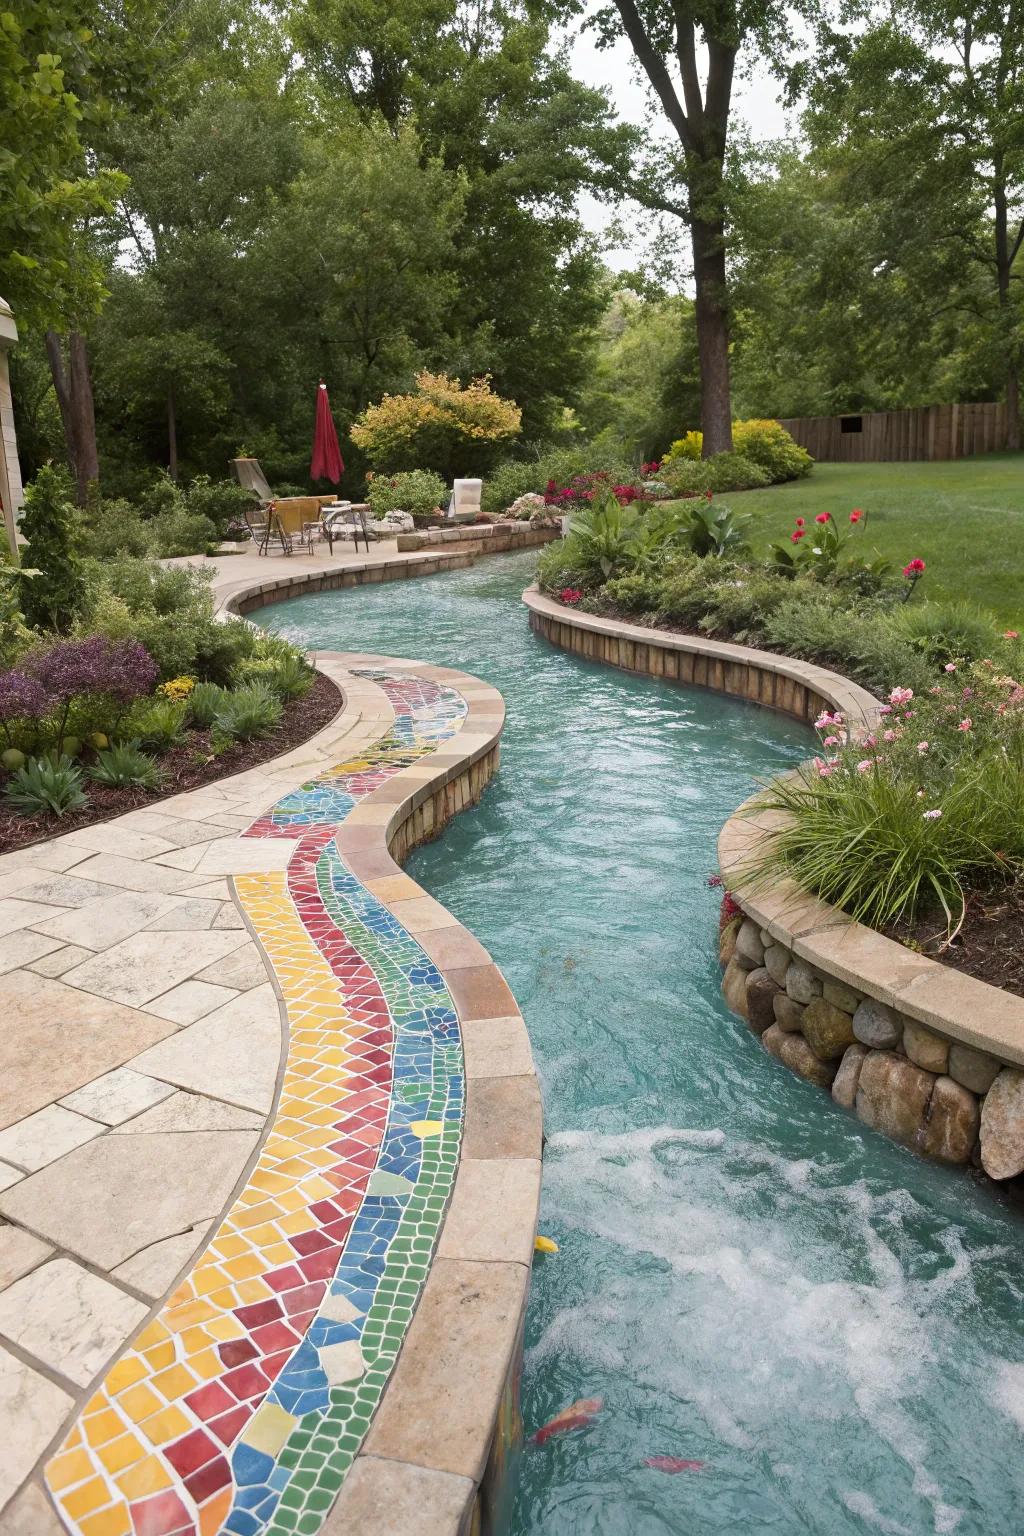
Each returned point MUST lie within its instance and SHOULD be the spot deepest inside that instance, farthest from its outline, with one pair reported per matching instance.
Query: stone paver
(104, 920)
(152, 1270)
(192, 1112)
(57, 960)
(144, 966)
(55, 1038)
(68, 1318)
(117, 1096)
(41, 1138)
(19, 1252)
(118, 1194)
(231, 1054)
(190, 1000)
(31, 1411)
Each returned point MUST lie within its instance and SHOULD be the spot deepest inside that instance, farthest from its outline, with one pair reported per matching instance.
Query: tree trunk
(1004, 265)
(172, 436)
(73, 387)
(712, 315)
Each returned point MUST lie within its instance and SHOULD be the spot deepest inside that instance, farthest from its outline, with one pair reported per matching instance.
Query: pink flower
(825, 719)
(931, 815)
(913, 569)
(901, 696)
(967, 693)
(823, 517)
(891, 736)
(950, 666)
(922, 746)
(865, 765)
(885, 709)
(966, 724)
(825, 768)
(1011, 634)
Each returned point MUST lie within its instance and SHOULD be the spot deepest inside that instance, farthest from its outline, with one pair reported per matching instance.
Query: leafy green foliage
(45, 784)
(288, 676)
(247, 713)
(125, 766)
(713, 529)
(53, 598)
(893, 822)
(442, 424)
(158, 723)
(723, 472)
(418, 491)
(203, 703)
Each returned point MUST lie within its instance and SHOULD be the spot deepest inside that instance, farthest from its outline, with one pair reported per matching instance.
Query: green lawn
(964, 519)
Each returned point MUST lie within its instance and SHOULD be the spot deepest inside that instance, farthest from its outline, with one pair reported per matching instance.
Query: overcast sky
(756, 102)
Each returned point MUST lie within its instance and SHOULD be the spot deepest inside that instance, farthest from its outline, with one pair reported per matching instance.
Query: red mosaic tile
(209, 1480)
(237, 1351)
(259, 1312)
(227, 1427)
(305, 1296)
(274, 1336)
(206, 1402)
(320, 1266)
(284, 1279)
(245, 1382)
(191, 1452)
(164, 1515)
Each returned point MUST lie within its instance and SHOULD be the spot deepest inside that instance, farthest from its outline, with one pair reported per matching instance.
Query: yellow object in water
(545, 1245)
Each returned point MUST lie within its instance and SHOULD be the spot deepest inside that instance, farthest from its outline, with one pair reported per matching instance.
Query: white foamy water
(747, 1326)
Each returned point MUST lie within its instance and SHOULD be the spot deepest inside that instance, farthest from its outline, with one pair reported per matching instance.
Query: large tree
(689, 51)
(923, 114)
(491, 96)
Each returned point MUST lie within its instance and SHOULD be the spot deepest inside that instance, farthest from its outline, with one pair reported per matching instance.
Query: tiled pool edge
(963, 1032)
(434, 1447)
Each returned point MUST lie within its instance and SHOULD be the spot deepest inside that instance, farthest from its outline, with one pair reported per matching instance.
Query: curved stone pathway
(242, 1402)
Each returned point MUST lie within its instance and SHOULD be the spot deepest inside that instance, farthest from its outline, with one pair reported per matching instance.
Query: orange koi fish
(673, 1464)
(577, 1416)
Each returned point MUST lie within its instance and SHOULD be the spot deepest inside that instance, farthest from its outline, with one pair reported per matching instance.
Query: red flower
(823, 517)
(707, 495)
(797, 535)
(570, 596)
(800, 522)
(914, 568)
(856, 515)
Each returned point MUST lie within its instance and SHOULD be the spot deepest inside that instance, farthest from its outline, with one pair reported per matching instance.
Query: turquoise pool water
(746, 1276)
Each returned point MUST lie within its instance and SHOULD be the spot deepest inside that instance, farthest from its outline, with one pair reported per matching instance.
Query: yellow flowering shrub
(177, 688)
(764, 442)
(440, 425)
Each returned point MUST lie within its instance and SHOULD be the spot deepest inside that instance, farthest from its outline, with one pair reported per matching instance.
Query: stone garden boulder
(761, 991)
(893, 1094)
(777, 959)
(794, 1052)
(847, 1079)
(951, 1127)
(788, 1015)
(1002, 1126)
(801, 983)
(925, 1048)
(976, 1070)
(749, 949)
(727, 940)
(876, 1025)
(734, 987)
(827, 1029)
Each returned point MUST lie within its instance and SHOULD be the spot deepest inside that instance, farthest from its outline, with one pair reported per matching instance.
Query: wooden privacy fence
(924, 432)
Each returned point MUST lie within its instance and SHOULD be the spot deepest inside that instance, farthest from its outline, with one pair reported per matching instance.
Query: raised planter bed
(918, 1050)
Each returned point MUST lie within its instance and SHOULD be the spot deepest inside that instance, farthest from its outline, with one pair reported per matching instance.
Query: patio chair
(344, 521)
(264, 527)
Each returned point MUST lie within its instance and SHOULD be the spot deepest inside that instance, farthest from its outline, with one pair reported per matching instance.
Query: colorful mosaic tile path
(240, 1406)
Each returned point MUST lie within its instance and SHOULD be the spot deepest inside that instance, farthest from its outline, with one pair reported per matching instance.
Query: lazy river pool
(747, 1277)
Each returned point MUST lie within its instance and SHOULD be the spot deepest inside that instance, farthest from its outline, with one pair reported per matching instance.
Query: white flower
(931, 815)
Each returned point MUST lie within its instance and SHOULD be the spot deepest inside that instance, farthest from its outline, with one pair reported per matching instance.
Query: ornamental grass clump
(908, 817)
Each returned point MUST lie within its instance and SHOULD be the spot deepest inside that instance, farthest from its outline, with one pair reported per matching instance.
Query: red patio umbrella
(327, 463)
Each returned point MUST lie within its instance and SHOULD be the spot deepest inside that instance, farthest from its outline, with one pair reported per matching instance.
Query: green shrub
(714, 530)
(51, 784)
(600, 541)
(724, 472)
(948, 631)
(53, 598)
(126, 766)
(158, 723)
(636, 593)
(181, 532)
(863, 643)
(220, 502)
(203, 703)
(247, 713)
(771, 446)
(507, 482)
(289, 677)
(117, 528)
(417, 491)
(763, 442)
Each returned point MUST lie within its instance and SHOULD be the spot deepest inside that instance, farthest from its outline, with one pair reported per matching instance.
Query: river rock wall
(944, 1099)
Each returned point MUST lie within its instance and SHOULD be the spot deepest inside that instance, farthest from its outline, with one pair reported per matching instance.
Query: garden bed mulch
(989, 946)
(187, 766)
